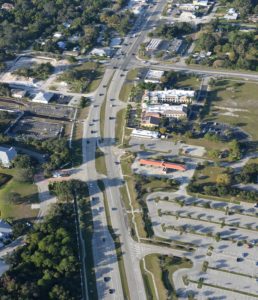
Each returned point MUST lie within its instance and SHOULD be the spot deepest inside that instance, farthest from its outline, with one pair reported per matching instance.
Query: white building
(169, 96)
(187, 7)
(7, 155)
(153, 44)
(115, 42)
(201, 2)
(103, 52)
(141, 133)
(231, 14)
(57, 35)
(169, 111)
(153, 76)
(43, 97)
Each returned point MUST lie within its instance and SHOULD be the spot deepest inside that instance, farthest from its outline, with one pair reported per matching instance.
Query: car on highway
(107, 279)
(111, 291)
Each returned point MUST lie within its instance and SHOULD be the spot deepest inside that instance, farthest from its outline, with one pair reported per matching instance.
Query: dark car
(111, 291)
(239, 259)
(101, 94)
(107, 279)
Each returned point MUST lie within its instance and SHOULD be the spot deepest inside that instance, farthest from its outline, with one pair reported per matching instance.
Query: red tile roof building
(162, 164)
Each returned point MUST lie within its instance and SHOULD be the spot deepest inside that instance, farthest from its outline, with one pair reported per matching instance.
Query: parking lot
(38, 128)
(223, 131)
(224, 239)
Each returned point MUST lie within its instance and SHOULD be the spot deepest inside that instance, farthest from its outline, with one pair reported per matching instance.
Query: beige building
(169, 96)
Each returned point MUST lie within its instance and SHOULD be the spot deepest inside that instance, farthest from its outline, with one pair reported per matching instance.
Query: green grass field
(83, 78)
(208, 174)
(190, 82)
(28, 194)
(100, 162)
(234, 103)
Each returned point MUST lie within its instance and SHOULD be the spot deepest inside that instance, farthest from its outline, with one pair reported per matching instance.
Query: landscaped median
(162, 267)
(135, 196)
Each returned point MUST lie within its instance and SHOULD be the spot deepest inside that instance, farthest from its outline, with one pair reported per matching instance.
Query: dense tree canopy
(47, 267)
(30, 20)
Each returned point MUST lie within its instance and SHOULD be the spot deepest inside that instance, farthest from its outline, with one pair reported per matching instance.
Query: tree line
(47, 267)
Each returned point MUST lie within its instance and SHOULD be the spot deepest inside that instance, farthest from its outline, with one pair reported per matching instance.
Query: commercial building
(166, 110)
(43, 97)
(201, 2)
(175, 45)
(141, 133)
(7, 155)
(169, 96)
(153, 76)
(162, 164)
(153, 44)
(150, 122)
(187, 7)
(115, 42)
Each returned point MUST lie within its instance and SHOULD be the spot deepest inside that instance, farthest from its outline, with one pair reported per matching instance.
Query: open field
(83, 78)
(189, 82)
(208, 174)
(234, 103)
(163, 267)
(28, 194)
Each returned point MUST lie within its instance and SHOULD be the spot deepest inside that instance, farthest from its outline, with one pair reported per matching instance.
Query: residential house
(7, 155)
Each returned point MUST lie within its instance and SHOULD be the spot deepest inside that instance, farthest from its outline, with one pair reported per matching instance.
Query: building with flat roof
(166, 110)
(153, 44)
(162, 164)
(103, 52)
(150, 122)
(169, 96)
(7, 155)
(147, 134)
(201, 2)
(153, 76)
(43, 97)
(175, 45)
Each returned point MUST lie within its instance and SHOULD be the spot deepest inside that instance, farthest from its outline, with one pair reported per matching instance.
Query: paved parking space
(209, 215)
(161, 146)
